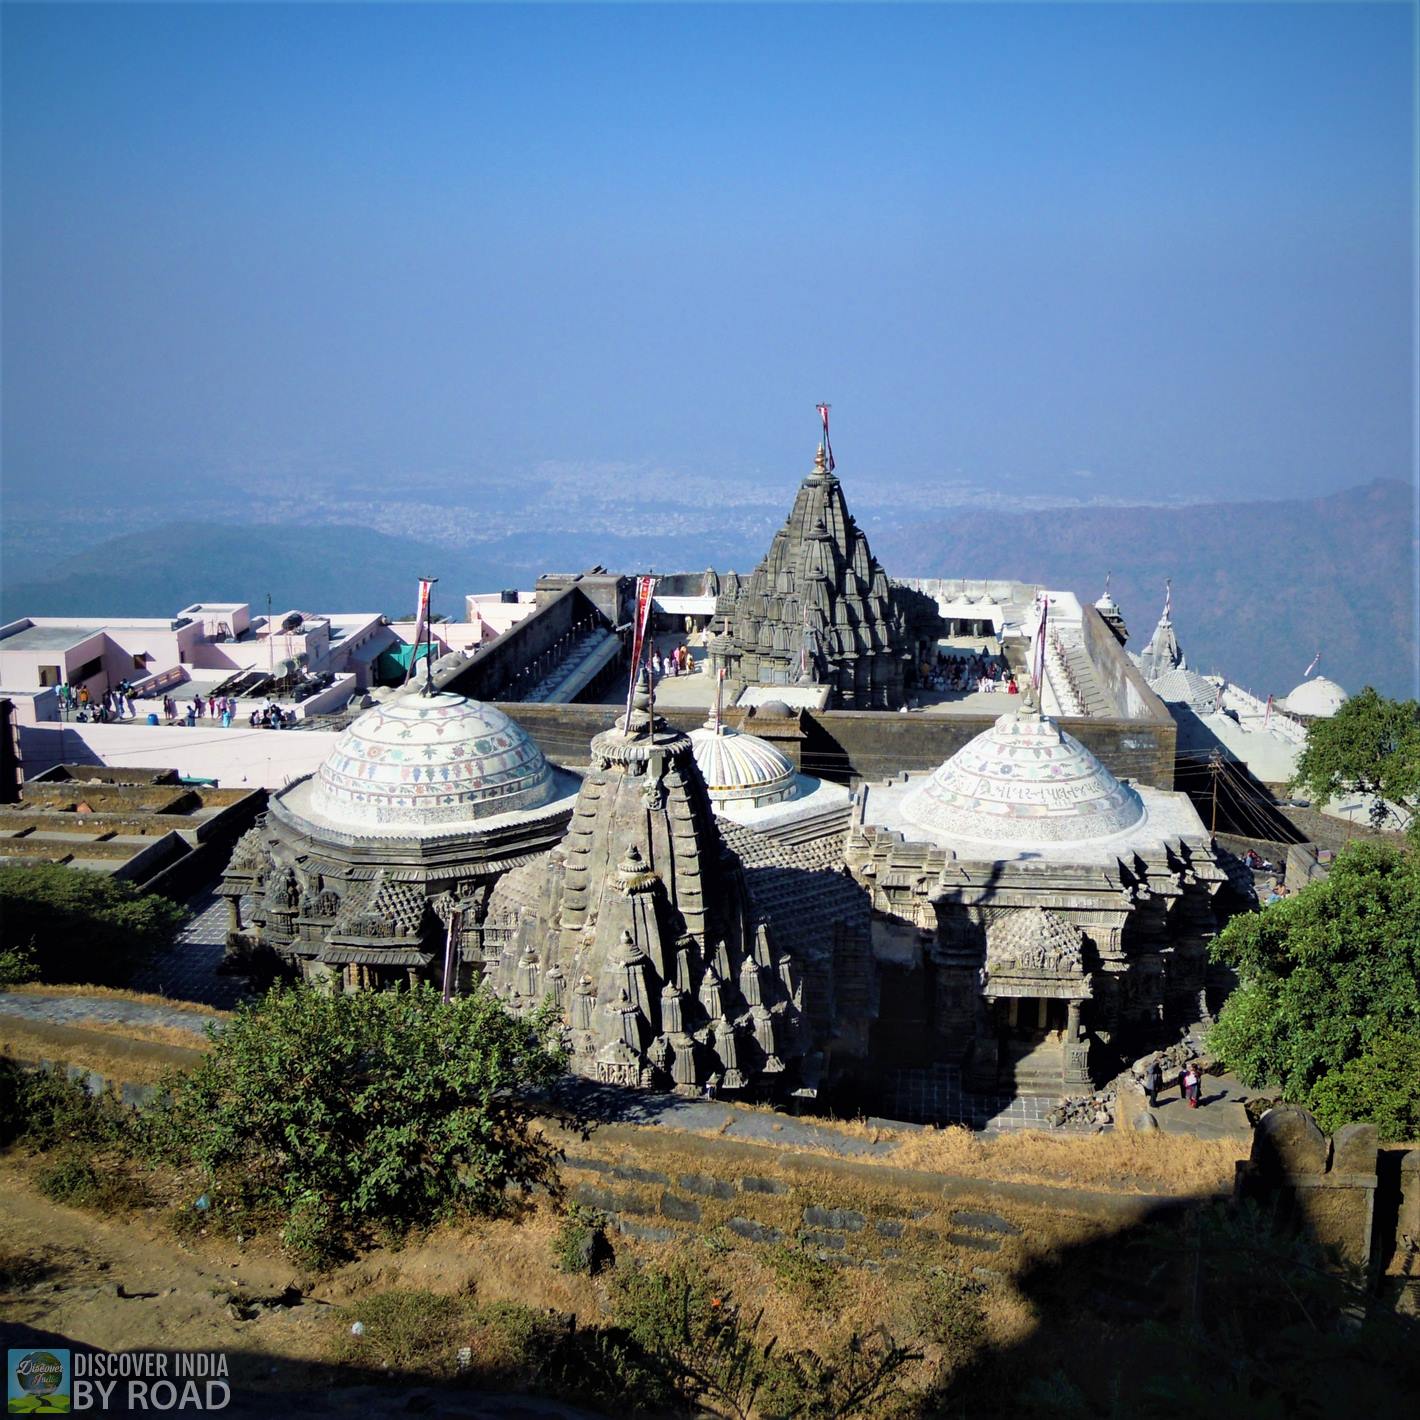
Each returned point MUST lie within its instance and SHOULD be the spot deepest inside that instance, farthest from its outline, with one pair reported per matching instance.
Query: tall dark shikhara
(818, 610)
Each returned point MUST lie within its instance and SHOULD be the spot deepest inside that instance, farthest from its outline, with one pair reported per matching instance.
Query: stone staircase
(1029, 1069)
(1073, 679)
(827, 825)
(552, 687)
(1087, 686)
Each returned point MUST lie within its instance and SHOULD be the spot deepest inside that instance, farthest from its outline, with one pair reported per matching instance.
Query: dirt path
(70, 1278)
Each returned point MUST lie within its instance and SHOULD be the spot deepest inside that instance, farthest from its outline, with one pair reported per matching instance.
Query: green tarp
(392, 666)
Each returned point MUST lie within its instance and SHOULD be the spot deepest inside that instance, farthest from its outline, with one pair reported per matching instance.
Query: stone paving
(188, 970)
(935, 1096)
(83, 1010)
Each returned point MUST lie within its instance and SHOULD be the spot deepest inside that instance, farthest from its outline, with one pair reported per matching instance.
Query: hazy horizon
(1046, 253)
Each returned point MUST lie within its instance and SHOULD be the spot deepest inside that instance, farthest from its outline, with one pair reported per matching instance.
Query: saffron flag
(1168, 597)
(642, 615)
(827, 445)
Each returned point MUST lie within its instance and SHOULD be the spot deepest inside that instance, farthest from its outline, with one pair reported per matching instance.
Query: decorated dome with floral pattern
(420, 760)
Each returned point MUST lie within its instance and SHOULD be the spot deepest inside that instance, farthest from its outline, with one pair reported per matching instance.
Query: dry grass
(1119, 1161)
(32, 1042)
(113, 993)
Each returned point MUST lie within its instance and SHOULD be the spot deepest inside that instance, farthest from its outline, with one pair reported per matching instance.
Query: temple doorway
(1030, 1019)
(1030, 1034)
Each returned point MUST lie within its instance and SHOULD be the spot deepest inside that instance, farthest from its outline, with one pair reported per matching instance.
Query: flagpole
(429, 639)
(651, 677)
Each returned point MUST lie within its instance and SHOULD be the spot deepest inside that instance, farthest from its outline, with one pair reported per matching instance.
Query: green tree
(338, 1115)
(1370, 746)
(1328, 1005)
(74, 925)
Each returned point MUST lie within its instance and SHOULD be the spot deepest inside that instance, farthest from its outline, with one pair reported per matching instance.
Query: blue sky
(1048, 249)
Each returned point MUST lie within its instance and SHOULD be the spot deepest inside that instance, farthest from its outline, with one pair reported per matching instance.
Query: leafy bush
(71, 924)
(345, 1114)
(1370, 746)
(44, 1109)
(17, 965)
(76, 1179)
(581, 1243)
(1382, 1086)
(1329, 1001)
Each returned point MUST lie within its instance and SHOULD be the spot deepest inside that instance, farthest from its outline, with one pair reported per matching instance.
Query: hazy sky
(1101, 249)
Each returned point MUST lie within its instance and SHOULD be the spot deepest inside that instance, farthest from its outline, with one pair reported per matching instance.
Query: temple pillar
(234, 912)
(1077, 1049)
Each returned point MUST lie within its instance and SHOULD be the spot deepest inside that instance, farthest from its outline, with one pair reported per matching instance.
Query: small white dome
(736, 766)
(1024, 780)
(430, 759)
(1317, 697)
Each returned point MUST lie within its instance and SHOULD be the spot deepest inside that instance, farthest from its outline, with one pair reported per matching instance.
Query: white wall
(237, 758)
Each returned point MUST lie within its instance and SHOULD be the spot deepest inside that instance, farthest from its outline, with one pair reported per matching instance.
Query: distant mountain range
(1257, 587)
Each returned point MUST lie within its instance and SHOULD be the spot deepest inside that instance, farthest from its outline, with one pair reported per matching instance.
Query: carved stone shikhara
(818, 610)
(677, 980)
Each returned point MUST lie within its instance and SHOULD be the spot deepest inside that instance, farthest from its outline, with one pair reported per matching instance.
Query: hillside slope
(1257, 587)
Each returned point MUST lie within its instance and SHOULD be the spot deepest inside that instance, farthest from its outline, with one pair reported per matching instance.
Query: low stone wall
(1330, 1187)
(843, 745)
(659, 1186)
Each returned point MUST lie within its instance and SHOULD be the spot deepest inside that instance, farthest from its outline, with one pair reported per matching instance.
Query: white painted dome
(1317, 697)
(736, 766)
(1024, 780)
(421, 760)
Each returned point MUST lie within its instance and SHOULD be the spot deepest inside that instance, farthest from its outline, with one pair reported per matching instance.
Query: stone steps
(1096, 702)
(826, 823)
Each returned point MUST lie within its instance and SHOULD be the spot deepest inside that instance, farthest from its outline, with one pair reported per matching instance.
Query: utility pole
(1214, 764)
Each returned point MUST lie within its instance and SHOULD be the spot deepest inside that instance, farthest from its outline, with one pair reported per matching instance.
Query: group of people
(215, 707)
(982, 672)
(223, 708)
(1190, 1083)
(677, 661)
(272, 717)
(118, 704)
(110, 705)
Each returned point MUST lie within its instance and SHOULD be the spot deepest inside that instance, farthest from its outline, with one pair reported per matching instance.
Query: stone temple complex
(818, 610)
(793, 896)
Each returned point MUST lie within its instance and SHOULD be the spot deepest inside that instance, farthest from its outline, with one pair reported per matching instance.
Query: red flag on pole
(644, 588)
